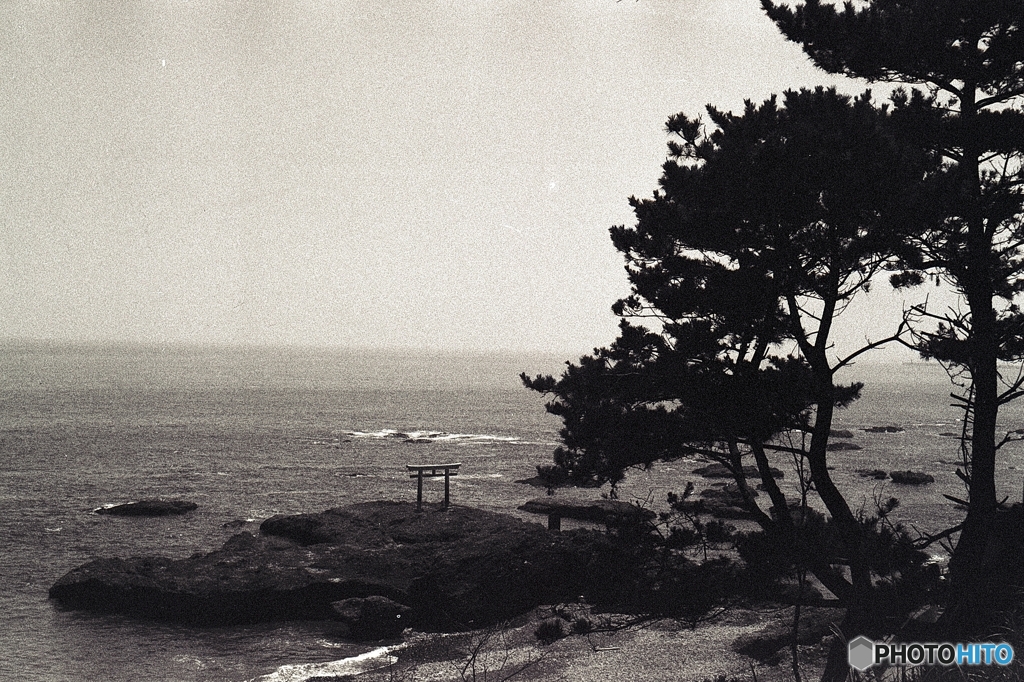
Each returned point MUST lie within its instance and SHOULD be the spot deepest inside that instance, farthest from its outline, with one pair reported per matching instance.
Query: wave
(431, 436)
(365, 662)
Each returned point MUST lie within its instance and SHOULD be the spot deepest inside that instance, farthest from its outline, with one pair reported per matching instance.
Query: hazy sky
(404, 173)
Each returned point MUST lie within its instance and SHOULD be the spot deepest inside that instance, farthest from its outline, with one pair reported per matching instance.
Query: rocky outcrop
(724, 502)
(454, 569)
(372, 618)
(608, 512)
(149, 508)
(718, 470)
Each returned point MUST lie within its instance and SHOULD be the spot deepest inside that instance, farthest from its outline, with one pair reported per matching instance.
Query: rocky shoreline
(377, 568)
(454, 569)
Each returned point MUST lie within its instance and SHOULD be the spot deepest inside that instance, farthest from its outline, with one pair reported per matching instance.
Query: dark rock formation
(884, 429)
(911, 477)
(717, 470)
(609, 512)
(372, 618)
(729, 491)
(873, 473)
(149, 508)
(724, 502)
(535, 481)
(840, 433)
(457, 569)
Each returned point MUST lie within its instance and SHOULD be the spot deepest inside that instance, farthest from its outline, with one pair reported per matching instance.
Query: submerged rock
(149, 508)
(454, 569)
(911, 477)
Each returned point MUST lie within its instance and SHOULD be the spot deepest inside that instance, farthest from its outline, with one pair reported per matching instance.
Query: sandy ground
(658, 651)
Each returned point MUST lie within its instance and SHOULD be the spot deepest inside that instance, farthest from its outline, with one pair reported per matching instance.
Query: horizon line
(279, 345)
(180, 344)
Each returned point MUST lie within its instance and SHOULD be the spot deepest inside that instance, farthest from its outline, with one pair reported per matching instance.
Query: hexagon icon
(861, 653)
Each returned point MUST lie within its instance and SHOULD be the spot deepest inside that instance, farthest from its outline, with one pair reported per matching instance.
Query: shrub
(550, 631)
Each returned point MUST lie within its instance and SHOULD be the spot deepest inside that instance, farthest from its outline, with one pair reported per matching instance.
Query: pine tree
(764, 227)
(968, 55)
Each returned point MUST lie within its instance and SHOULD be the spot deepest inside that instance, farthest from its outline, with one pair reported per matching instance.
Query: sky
(405, 174)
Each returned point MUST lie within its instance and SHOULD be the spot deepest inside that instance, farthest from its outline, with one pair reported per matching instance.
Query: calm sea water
(247, 433)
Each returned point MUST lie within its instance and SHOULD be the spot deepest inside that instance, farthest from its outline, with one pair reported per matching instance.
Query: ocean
(249, 432)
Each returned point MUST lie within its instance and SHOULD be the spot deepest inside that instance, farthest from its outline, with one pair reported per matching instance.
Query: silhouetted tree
(762, 230)
(969, 56)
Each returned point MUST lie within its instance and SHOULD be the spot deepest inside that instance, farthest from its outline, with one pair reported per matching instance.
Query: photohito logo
(864, 653)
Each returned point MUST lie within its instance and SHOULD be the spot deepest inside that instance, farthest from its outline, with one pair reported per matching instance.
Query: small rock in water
(373, 617)
(873, 473)
(840, 433)
(884, 429)
(718, 470)
(911, 477)
(149, 508)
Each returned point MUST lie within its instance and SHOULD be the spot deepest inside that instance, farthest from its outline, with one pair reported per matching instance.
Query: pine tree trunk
(858, 619)
(964, 612)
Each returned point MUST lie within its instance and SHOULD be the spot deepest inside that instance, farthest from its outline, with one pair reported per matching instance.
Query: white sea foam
(189, 661)
(432, 436)
(365, 662)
